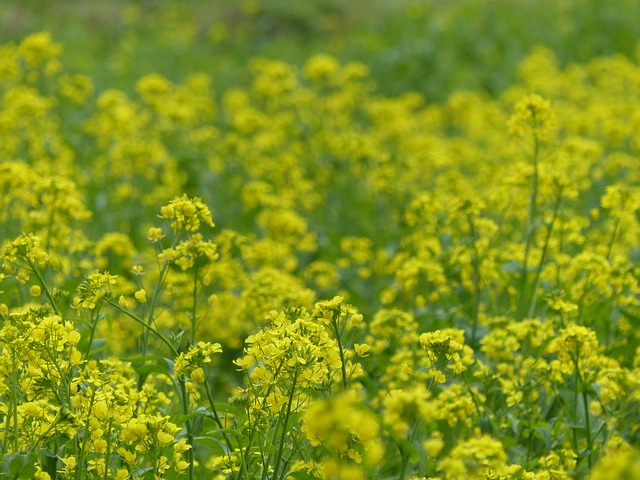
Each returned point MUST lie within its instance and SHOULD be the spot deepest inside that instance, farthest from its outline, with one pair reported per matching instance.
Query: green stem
(152, 306)
(216, 416)
(164, 272)
(614, 236)
(244, 466)
(587, 425)
(252, 431)
(79, 467)
(284, 428)
(108, 457)
(533, 198)
(151, 329)
(44, 287)
(269, 443)
(590, 444)
(14, 400)
(405, 460)
(195, 304)
(343, 366)
(185, 410)
(44, 435)
(92, 333)
(476, 280)
(545, 248)
(529, 446)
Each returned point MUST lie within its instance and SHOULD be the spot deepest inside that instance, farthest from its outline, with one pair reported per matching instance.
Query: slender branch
(44, 286)
(284, 428)
(184, 395)
(476, 280)
(533, 198)
(137, 319)
(545, 248)
(343, 367)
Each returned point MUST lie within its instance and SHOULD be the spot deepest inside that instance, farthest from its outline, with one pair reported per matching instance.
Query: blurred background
(430, 46)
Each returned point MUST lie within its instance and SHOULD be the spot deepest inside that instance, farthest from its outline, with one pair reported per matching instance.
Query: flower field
(296, 272)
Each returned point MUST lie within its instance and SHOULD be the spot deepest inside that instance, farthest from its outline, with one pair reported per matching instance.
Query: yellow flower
(155, 233)
(141, 296)
(74, 337)
(100, 445)
(122, 301)
(129, 457)
(197, 375)
(362, 350)
(181, 466)
(433, 446)
(595, 408)
(122, 474)
(164, 438)
(532, 114)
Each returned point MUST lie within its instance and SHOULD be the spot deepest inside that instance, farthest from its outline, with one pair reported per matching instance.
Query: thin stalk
(529, 447)
(545, 248)
(216, 416)
(587, 425)
(578, 383)
(252, 431)
(587, 420)
(272, 441)
(343, 367)
(284, 428)
(44, 287)
(614, 236)
(245, 457)
(476, 280)
(151, 329)
(79, 470)
(533, 197)
(558, 267)
(593, 439)
(108, 457)
(164, 271)
(184, 395)
(14, 399)
(92, 333)
(44, 435)
(194, 315)
(152, 306)
(405, 460)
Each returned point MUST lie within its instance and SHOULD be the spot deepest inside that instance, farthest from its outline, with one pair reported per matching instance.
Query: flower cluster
(397, 288)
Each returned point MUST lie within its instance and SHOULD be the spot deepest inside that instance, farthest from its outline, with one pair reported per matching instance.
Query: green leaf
(544, 433)
(228, 431)
(142, 471)
(142, 367)
(634, 319)
(625, 351)
(409, 450)
(98, 345)
(199, 412)
(145, 358)
(512, 267)
(20, 465)
(225, 407)
(49, 462)
(176, 339)
(486, 425)
(301, 476)
(212, 443)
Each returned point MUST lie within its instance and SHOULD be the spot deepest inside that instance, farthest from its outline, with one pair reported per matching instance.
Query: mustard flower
(187, 214)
